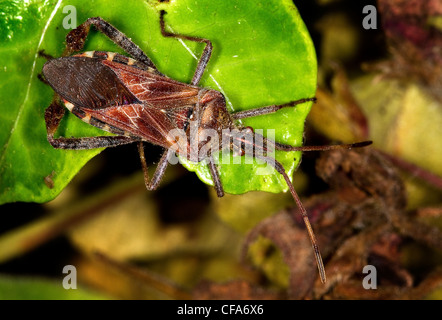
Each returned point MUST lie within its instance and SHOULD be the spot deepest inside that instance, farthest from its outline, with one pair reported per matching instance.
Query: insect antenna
(278, 166)
(285, 147)
(268, 144)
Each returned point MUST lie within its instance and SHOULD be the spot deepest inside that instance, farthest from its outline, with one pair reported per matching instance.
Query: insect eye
(238, 152)
(186, 126)
(248, 130)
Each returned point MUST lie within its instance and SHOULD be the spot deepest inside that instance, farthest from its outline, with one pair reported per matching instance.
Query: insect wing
(86, 82)
(154, 89)
(149, 123)
(142, 103)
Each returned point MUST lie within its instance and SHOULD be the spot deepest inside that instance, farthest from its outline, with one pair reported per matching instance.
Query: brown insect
(132, 99)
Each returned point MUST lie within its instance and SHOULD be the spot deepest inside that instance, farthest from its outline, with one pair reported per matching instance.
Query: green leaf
(262, 55)
(28, 288)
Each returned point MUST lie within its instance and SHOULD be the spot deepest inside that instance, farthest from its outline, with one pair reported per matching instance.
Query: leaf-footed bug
(130, 98)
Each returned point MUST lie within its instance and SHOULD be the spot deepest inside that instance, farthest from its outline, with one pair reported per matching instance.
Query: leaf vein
(14, 126)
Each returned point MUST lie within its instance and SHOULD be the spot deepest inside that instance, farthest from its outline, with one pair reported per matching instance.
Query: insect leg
(76, 38)
(43, 54)
(269, 109)
(53, 115)
(48, 57)
(42, 79)
(159, 171)
(215, 177)
(205, 56)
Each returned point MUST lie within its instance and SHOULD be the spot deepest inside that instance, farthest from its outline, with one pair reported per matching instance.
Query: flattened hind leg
(53, 115)
(76, 38)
